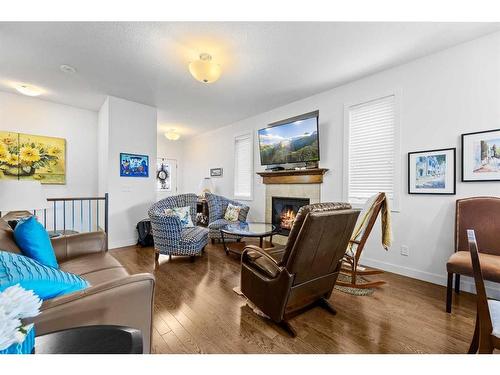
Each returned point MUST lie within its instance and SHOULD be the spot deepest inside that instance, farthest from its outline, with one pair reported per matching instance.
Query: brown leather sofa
(482, 214)
(115, 297)
(282, 281)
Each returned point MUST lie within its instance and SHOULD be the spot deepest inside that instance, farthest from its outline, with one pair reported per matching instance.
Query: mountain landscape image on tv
(292, 142)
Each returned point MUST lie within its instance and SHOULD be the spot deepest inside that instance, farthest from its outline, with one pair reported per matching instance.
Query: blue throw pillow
(45, 282)
(34, 241)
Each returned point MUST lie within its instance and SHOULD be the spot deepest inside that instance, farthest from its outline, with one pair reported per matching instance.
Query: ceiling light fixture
(172, 135)
(67, 69)
(204, 69)
(28, 89)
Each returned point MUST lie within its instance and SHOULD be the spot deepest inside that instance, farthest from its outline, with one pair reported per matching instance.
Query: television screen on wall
(294, 140)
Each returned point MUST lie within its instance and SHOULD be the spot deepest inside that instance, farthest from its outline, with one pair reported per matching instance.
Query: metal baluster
(55, 222)
(73, 214)
(90, 216)
(97, 208)
(106, 212)
(64, 217)
(81, 216)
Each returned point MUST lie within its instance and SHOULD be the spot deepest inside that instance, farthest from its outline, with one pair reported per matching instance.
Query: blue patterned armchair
(170, 238)
(217, 206)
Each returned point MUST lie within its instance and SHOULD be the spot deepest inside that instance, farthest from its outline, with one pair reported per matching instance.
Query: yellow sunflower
(29, 154)
(4, 155)
(13, 159)
(53, 151)
(8, 141)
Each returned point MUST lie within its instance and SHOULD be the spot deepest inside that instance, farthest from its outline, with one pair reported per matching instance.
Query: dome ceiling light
(172, 135)
(65, 68)
(204, 69)
(28, 89)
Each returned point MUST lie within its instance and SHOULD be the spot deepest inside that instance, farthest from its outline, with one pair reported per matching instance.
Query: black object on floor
(145, 233)
(101, 339)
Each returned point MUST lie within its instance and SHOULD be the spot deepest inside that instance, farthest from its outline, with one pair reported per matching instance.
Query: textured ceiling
(264, 65)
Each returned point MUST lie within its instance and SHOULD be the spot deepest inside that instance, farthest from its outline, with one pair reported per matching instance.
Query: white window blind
(243, 166)
(371, 149)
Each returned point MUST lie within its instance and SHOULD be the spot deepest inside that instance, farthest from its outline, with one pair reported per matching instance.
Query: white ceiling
(264, 65)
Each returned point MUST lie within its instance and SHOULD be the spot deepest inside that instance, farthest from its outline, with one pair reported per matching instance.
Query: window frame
(250, 136)
(396, 201)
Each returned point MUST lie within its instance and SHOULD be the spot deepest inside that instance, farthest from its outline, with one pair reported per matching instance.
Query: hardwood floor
(196, 311)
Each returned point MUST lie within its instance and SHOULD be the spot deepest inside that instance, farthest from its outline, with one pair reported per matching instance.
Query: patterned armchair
(217, 206)
(170, 238)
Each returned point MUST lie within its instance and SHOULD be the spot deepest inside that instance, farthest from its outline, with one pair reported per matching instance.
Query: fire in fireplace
(284, 210)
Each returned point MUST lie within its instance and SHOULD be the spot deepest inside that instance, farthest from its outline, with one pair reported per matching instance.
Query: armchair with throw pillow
(174, 232)
(219, 215)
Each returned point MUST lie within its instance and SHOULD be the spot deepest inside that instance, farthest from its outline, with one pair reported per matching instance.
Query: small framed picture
(216, 172)
(481, 156)
(132, 165)
(432, 172)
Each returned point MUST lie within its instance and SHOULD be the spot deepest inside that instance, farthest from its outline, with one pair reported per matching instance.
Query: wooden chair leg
(474, 345)
(212, 240)
(449, 288)
(157, 256)
(324, 303)
(169, 257)
(285, 325)
(457, 283)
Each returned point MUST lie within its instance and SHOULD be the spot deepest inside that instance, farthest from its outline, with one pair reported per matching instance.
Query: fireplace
(284, 210)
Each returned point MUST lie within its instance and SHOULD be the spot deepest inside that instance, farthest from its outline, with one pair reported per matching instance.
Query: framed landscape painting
(481, 156)
(32, 157)
(132, 165)
(432, 172)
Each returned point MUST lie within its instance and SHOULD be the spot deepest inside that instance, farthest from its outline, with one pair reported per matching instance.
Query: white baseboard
(122, 243)
(466, 283)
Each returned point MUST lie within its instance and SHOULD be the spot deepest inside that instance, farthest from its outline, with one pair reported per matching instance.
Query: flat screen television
(294, 140)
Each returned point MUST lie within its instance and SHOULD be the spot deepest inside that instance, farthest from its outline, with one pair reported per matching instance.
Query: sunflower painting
(32, 157)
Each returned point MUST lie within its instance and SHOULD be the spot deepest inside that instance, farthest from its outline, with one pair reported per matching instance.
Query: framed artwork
(32, 157)
(132, 165)
(163, 175)
(216, 172)
(432, 172)
(481, 156)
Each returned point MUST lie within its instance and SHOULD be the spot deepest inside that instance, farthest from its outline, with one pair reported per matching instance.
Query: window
(372, 147)
(243, 167)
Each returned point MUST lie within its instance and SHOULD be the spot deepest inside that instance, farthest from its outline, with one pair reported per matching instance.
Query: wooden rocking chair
(350, 265)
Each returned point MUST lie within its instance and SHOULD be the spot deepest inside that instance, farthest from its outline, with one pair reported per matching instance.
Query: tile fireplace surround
(311, 191)
(303, 183)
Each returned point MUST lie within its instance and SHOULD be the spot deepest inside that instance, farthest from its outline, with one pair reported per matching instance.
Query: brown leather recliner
(115, 297)
(482, 214)
(285, 280)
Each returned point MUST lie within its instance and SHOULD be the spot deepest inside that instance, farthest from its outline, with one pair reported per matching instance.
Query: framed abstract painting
(432, 172)
(133, 165)
(481, 156)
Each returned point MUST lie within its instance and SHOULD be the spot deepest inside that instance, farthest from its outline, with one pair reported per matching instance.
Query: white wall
(128, 127)
(441, 96)
(171, 150)
(79, 128)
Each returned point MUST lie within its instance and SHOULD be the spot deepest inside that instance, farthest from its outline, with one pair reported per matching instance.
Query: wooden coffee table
(244, 229)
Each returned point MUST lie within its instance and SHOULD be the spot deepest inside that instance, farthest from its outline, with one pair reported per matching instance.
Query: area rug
(254, 308)
(354, 291)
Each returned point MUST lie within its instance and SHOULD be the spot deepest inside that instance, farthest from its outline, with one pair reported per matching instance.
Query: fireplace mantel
(294, 176)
